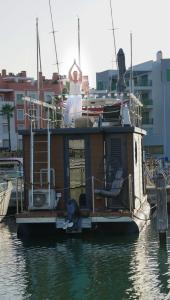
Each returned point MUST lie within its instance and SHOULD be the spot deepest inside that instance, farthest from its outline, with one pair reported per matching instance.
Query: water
(83, 269)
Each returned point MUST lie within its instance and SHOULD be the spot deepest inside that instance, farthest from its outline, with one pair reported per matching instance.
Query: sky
(148, 20)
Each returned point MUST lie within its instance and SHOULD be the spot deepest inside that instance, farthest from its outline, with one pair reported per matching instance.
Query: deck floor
(83, 213)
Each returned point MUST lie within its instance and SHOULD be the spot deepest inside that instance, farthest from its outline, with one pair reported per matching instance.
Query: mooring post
(162, 215)
(92, 186)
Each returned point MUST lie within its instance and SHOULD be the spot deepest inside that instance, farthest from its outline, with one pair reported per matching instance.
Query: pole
(79, 62)
(49, 170)
(17, 195)
(131, 65)
(92, 185)
(162, 215)
(57, 63)
(113, 31)
(38, 79)
(21, 194)
(32, 162)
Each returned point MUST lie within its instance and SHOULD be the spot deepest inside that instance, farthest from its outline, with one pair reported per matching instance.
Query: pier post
(162, 215)
(92, 185)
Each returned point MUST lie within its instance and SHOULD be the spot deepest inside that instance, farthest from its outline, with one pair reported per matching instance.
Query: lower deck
(52, 222)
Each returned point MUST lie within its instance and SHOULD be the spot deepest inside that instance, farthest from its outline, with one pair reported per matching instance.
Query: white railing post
(49, 157)
(32, 162)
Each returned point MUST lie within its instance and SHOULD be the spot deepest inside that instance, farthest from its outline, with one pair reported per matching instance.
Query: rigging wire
(113, 31)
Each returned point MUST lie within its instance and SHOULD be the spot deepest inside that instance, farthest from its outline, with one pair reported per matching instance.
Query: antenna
(79, 62)
(113, 31)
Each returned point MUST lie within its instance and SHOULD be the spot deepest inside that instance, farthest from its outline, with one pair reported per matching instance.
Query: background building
(151, 83)
(12, 89)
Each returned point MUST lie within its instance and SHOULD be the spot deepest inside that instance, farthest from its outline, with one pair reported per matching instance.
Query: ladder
(39, 149)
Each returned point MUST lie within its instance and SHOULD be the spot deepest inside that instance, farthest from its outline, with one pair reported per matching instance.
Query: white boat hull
(5, 195)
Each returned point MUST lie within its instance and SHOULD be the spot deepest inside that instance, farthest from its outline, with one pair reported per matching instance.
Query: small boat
(87, 176)
(5, 194)
(11, 168)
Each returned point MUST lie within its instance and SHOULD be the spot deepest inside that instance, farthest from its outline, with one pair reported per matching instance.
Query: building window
(20, 145)
(5, 143)
(168, 74)
(20, 114)
(32, 95)
(20, 126)
(100, 85)
(5, 128)
(158, 149)
(48, 99)
(4, 118)
(32, 113)
(19, 100)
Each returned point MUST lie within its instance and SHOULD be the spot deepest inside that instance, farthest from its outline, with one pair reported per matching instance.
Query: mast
(131, 65)
(79, 61)
(39, 69)
(53, 32)
(56, 57)
(113, 31)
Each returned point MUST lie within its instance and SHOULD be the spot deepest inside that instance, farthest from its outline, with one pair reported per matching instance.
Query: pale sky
(148, 20)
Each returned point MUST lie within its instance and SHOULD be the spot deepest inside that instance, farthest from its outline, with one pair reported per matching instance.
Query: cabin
(100, 168)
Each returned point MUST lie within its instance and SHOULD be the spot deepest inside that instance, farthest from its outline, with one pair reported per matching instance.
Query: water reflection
(12, 265)
(149, 274)
(87, 268)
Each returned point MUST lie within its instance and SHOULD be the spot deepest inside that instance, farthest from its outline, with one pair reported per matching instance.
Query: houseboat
(86, 176)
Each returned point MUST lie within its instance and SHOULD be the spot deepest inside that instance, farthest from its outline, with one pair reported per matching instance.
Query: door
(77, 171)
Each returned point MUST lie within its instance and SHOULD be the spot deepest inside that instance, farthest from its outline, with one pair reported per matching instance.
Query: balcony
(147, 102)
(147, 121)
(144, 83)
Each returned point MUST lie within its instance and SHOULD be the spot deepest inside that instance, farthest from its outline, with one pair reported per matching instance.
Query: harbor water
(88, 268)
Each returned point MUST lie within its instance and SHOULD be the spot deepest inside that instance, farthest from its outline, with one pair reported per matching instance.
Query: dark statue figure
(121, 86)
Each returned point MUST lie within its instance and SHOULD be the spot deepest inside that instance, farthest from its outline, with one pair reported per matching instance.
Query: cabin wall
(97, 165)
(26, 167)
(116, 159)
(57, 163)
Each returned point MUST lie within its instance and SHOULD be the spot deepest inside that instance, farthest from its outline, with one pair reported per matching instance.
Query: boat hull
(4, 200)
(112, 223)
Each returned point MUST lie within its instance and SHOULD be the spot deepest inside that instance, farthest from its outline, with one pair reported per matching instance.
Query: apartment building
(151, 83)
(12, 88)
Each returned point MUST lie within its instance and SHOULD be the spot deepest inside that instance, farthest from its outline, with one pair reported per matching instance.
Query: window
(19, 99)
(5, 128)
(20, 145)
(4, 118)
(168, 74)
(100, 85)
(48, 99)
(32, 112)
(5, 143)
(158, 149)
(32, 95)
(20, 126)
(20, 114)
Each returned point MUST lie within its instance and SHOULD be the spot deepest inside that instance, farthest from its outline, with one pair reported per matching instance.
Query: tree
(7, 110)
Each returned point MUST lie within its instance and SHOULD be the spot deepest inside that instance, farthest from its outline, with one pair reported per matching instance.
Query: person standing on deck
(73, 108)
